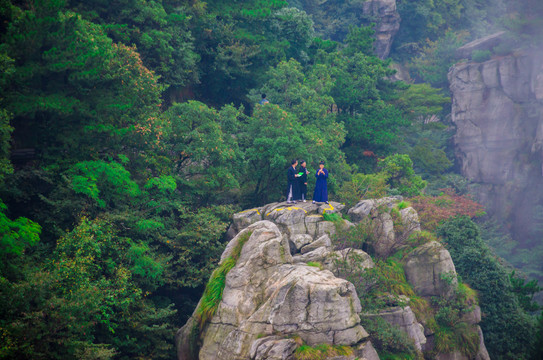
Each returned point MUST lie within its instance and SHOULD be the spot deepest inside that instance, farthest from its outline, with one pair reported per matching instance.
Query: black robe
(293, 184)
(303, 179)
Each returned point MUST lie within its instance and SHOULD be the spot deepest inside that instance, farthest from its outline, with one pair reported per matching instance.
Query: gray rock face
(387, 25)
(483, 353)
(273, 348)
(427, 268)
(347, 260)
(485, 43)
(323, 241)
(377, 214)
(498, 111)
(266, 293)
(405, 319)
(366, 351)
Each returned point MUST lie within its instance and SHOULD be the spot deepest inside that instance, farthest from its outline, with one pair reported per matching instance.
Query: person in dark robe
(303, 180)
(293, 187)
(321, 187)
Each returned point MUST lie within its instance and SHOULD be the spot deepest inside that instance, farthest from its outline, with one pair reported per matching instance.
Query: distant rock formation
(387, 24)
(274, 298)
(332, 20)
(486, 43)
(498, 111)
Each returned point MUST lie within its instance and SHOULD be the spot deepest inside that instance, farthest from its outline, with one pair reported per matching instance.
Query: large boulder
(265, 293)
(272, 300)
(430, 270)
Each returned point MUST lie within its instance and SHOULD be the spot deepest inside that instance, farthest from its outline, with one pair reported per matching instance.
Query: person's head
(321, 164)
(294, 162)
(263, 96)
(302, 162)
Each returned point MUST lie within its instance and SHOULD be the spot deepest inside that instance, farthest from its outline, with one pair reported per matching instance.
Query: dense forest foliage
(130, 133)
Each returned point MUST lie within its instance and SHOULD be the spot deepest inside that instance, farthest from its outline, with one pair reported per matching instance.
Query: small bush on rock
(386, 338)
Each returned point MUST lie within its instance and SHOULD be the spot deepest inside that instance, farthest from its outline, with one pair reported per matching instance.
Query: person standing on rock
(321, 187)
(293, 187)
(303, 180)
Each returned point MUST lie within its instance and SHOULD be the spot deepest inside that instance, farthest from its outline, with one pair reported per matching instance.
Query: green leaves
(16, 235)
(102, 182)
(398, 170)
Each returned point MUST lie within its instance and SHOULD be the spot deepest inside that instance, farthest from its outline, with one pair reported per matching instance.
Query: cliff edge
(280, 288)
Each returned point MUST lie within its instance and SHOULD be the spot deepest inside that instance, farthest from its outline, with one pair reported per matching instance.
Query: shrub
(481, 55)
(403, 205)
(418, 238)
(433, 210)
(387, 338)
(334, 217)
(356, 237)
(361, 186)
(385, 283)
(398, 170)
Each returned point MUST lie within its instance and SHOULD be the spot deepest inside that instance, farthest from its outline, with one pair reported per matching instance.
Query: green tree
(270, 139)
(159, 29)
(398, 170)
(75, 91)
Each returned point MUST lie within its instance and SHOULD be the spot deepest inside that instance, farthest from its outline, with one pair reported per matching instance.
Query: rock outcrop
(284, 289)
(333, 21)
(387, 25)
(498, 111)
(430, 270)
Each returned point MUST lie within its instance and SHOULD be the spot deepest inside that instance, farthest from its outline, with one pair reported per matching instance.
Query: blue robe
(321, 187)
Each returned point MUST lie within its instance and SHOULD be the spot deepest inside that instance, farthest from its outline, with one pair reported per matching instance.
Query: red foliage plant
(433, 210)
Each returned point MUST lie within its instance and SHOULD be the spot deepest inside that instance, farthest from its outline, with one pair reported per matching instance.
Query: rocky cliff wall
(498, 111)
(283, 288)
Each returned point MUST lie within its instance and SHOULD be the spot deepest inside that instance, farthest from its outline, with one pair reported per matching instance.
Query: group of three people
(297, 183)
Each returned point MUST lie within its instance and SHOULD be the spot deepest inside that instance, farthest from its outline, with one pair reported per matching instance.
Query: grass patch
(462, 336)
(315, 264)
(403, 205)
(334, 217)
(213, 292)
(418, 238)
(384, 355)
(423, 311)
(321, 352)
(466, 295)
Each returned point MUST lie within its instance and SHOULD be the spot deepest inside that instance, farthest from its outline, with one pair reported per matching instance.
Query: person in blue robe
(293, 186)
(321, 187)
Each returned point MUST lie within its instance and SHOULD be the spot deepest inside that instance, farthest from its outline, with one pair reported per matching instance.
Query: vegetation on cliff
(129, 135)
